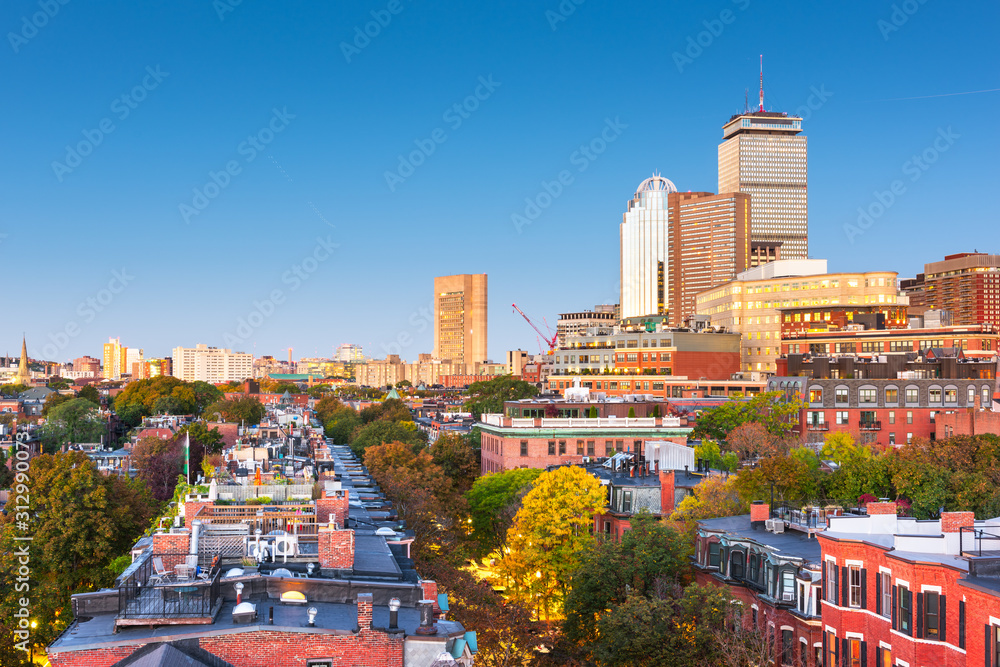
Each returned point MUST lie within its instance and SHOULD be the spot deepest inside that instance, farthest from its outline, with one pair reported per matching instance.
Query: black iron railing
(147, 594)
(979, 541)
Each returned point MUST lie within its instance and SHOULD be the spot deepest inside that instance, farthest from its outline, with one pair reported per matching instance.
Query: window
(819, 656)
(854, 646)
(609, 447)
(932, 615)
(753, 614)
(803, 654)
(841, 395)
(909, 416)
(912, 395)
(524, 448)
(884, 657)
(855, 591)
(892, 416)
(951, 395)
(627, 507)
(552, 447)
(868, 395)
(831, 649)
(713, 552)
(607, 527)
(831, 582)
(972, 396)
(905, 600)
(934, 396)
(562, 448)
(590, 448)
(579, 447)
(842, 417)
(885, 594)
(736, 562)
(891, 395)
(788, 586)
(815, 395)
(786, 647)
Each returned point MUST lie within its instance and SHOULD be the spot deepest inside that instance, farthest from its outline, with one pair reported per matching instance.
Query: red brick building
(897, 591)
(967, 284)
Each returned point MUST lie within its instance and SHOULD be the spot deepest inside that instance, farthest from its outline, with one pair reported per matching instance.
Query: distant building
(211, 364)
(967, 284)
(763, 154)
(348, 353)
(84, 364)
(516, 359)
(460, 318)
(23, 373)
(752, 303)
(644, 247)
(573, 324)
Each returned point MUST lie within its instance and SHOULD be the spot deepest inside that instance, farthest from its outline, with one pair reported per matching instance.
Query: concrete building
(751, 304)
(516, 359)
(967, 284)
(709, 245)
(87, 364)
(211, 364)
(115, 359)
(460, 318)
(349, 353)
(977, 341)
(572, 324)
(763, 154)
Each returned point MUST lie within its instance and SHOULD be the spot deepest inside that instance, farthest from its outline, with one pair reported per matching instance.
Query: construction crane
(550, 340)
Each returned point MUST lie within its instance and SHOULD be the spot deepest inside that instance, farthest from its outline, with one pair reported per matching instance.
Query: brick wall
(952, 521)
(173, 547)
(367, 648)
(192, 508)
(667, 492)
(760, 512)
(102, 657)
(336, 504)
(336, 549)
(881, 508)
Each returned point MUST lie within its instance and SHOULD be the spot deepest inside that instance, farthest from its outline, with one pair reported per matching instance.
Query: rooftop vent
(293, 597)
(245, 612)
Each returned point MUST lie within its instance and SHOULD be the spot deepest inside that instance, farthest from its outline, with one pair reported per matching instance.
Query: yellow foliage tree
(550, 531)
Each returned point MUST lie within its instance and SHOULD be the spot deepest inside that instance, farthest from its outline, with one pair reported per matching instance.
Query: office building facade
(644, 247)
(460, 318)
(763, 154)
(573, 324)
(115, 359)
(211, 364)
(966, 284)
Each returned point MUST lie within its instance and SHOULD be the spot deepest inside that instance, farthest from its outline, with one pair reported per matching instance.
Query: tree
(342, 426)
(326, 407)
(57, 383)
(714, 497)
(207, 439)
(648, 556)
(793, 479)
(458, 461)
(246, 409)
(80, 520)
(90, 393)
(772, 409)
(204, 395)
(840, 446)
(378, 432)
(76, 420)
(493, 502)
(12, 389)
(159, 462)
(751, 440)
(550, 532)
(54, 399)
(488, 396)
(858, 475)
(139, 398)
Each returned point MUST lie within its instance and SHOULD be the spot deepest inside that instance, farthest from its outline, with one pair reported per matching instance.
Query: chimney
(760, 512)
(427, 626)
(666, 492)
(951, 522)
(881, 508)
(365, 604)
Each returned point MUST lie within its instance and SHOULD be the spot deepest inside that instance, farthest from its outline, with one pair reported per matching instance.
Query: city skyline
(215, 191)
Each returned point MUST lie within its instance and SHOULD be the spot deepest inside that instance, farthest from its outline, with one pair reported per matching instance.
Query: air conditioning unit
(788, 596)
(769, 525)
(779, 526)
(585, 459)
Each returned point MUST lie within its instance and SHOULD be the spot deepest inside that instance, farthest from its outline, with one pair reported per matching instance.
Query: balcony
(177, 597)
(870, 425)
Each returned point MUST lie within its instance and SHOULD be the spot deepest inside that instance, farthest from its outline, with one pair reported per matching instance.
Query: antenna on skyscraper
(746, 100)
(761, 82)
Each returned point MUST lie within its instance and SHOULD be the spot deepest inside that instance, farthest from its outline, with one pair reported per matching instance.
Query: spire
(761, 82)
(23, 374)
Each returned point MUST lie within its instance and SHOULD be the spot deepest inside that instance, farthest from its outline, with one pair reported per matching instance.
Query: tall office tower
(709, 244)
(644, 246)
(460, 304)
(115, 359)
(349, 353)
(763, 155)
(967, 284)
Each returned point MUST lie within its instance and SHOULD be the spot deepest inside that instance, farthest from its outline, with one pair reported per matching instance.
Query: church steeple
(23, 374)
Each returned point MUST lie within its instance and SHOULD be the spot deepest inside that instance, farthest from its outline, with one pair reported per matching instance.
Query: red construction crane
(551, 339)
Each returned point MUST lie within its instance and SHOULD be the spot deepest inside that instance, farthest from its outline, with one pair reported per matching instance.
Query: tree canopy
(770, 409)
(488, 396)
(246, 409)
(163, 394)
(493, 502)
(76, 420)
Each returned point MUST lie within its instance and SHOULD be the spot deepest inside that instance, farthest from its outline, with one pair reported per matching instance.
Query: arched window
(737, 562)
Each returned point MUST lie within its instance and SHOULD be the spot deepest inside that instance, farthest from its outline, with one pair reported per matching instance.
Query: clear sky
(170, 167)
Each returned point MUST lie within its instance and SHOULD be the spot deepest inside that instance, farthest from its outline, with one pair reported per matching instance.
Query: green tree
(90, 393)
(76, 420)
(80, 520)
(204, 395)
(858, 475)
(771, 409)
(208, 439)
(550, 532)
(54, 399)
(793, 479)
(488, 396)
(457, 459)
(649, 555)
(139, 398)
(379, 432)
(12, 389)
(246, 409)
(493, 502)
(326, 407)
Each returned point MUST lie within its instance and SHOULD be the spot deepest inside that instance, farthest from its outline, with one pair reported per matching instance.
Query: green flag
(187, 457)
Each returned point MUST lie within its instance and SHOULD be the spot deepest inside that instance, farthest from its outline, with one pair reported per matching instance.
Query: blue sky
(305, 242)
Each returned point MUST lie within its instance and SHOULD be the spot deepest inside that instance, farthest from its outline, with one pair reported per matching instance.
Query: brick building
(335, 586)
(967, 284)
(537, 433)
(897, 591)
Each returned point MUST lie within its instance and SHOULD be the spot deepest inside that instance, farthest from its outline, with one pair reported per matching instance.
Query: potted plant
(249, 565)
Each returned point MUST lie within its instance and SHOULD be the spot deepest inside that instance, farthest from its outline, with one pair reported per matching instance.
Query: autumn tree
(493, 503)
(458, 461)
(772, 409)
(158, 463)
(488, 396)
(550, 533)
(714, 497)
(80, 520)
(793, 479)
(246, 409)
(381, 431)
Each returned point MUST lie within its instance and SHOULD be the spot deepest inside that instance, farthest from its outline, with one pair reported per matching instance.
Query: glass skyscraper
(645, 245)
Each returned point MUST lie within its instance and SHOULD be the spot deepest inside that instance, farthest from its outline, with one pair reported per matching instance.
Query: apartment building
(211, 364)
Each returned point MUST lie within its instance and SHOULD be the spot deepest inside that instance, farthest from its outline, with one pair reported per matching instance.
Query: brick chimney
(333, 504)
(881, 508)
(760, 512)
(336, 548)
(952, 521)
(666, 492)
(365, 603)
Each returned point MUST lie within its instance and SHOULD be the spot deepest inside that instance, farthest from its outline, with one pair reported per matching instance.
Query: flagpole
(187, 457)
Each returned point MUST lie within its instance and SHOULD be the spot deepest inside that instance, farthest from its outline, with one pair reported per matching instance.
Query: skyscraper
(966, 284)
(763, 154)
(460, 309)
(115, 359)
(644, 247)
